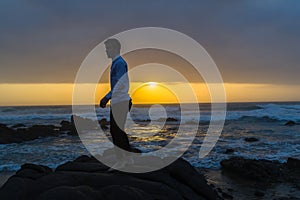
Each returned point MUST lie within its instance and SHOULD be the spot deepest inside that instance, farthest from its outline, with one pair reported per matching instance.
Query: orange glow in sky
(153, 92)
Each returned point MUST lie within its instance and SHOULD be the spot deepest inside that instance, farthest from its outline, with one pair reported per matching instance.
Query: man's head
(113, 47)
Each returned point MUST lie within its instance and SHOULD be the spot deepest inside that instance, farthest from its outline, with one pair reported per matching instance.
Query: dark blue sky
(251, 41)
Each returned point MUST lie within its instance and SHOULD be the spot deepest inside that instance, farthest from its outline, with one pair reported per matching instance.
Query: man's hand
(103, 102)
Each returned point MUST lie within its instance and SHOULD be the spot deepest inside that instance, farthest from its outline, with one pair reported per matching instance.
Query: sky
(255, 43)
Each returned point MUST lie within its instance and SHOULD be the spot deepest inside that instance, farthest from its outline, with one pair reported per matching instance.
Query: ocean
(264, 121)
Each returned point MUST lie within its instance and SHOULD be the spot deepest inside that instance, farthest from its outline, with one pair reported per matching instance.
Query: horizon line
(163, 103)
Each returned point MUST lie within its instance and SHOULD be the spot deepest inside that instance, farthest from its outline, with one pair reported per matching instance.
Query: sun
(152, 84)
(153, 93)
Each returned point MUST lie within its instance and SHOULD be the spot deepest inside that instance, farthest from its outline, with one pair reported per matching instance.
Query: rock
(10, 135)
(183, 171)
(81, 124)
(229, 151)
(168, 119)
(82, 166)
(251, 139)
(84, 158)
(124, 192)
(43, 130)
(171, 119)
(259, 194)
(65, 126)
(38, 168)
(69, 192)
(33, 171)
(293, 163)
(18, 126)
(226, 195)
(87, 178)
(103, 124)
(19, 133)
(290, 123)
(260, 170)
(5, 130)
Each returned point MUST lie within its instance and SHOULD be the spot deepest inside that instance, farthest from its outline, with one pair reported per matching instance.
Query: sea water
(264, 121)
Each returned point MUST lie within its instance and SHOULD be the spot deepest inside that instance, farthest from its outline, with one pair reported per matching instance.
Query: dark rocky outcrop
(263, 170)
(20, 133)
(10, 135)
(87, 178)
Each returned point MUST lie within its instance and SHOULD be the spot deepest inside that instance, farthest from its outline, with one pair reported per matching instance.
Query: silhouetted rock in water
(87, 178)
(10, 135)
(65, 125)
(18, 126)
(290, 123)
(104, 124)
(251, 139)
(263, 171)
(81, 124)
(171, 119)
(229, 151)
(168, 119)
(20, 133)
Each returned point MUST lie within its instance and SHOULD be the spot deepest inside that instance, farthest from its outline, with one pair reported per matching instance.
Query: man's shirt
(119, 81)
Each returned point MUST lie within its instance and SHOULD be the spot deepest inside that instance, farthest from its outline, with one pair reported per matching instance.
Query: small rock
(103, 124)
(259, 194)
(18, 126)
(290, 123)
(169, 119)
(251, 139)
(229, 151)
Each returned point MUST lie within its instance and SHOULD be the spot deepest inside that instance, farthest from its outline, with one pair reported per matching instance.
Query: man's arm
(118, 70)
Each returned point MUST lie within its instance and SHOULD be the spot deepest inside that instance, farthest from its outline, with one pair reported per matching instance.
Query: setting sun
(153, 92)
(152, 84)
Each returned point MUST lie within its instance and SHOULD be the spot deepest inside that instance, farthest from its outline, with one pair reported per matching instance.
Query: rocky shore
(87, 178)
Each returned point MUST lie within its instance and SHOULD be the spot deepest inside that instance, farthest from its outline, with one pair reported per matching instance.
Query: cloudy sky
(251, 41)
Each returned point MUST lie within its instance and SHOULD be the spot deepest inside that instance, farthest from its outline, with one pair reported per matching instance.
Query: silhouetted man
(120, 103)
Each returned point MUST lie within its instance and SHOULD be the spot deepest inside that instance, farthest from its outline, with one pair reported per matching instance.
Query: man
(120, 100)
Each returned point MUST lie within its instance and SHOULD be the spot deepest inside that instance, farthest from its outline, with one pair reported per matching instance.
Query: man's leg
(118, 115)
